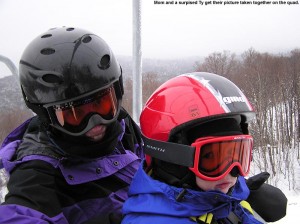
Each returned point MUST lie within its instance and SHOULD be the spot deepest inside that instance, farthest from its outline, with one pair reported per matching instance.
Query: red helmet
(188, 101)
(190, 98)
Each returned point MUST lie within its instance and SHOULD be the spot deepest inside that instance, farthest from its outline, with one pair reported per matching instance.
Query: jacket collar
(148, 191)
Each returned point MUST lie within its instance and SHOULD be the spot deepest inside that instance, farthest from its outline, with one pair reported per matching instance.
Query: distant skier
(74, 161)
(198, 150)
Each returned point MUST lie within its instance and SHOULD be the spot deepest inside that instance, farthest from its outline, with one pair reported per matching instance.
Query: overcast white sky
(168, 31)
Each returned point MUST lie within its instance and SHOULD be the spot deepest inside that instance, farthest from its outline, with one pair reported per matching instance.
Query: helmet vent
(70, 29)
(47, 51)
(51, 78)
(86, 39)
(104, 62)
(46, 35)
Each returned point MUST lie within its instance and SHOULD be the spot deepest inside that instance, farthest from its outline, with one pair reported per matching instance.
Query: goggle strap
(170, 152)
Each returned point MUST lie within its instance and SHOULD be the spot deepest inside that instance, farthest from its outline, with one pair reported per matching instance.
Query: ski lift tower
(137, 99)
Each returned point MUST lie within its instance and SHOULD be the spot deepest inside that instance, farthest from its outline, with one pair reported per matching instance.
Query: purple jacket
(47, 187)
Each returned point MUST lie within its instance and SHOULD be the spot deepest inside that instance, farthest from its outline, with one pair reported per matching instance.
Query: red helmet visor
(216, 156)
(75, 114)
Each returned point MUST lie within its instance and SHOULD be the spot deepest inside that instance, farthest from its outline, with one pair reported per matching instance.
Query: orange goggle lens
(74, 113)
(216, 156)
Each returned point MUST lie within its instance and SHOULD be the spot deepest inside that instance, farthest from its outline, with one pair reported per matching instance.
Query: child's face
(222, 185)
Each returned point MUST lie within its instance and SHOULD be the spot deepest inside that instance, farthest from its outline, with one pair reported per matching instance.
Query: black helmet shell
(64, 63)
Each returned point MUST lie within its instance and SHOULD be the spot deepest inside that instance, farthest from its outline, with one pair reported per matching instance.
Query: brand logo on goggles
(232, 99)
(155, 148)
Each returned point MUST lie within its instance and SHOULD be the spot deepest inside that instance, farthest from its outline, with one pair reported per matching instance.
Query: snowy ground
(282, 182)
(293, 206)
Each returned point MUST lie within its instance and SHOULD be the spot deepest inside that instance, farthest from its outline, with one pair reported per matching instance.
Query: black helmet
(66, 67)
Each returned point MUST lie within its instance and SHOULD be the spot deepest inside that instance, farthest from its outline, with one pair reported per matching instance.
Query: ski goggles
(216, 156)
(210, 158)
(74, 115)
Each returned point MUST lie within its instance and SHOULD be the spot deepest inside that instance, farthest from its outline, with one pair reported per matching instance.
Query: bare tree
(221, 63)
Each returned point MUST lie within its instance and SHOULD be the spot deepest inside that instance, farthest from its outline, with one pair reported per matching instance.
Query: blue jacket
(47, 187)
(151, 201)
